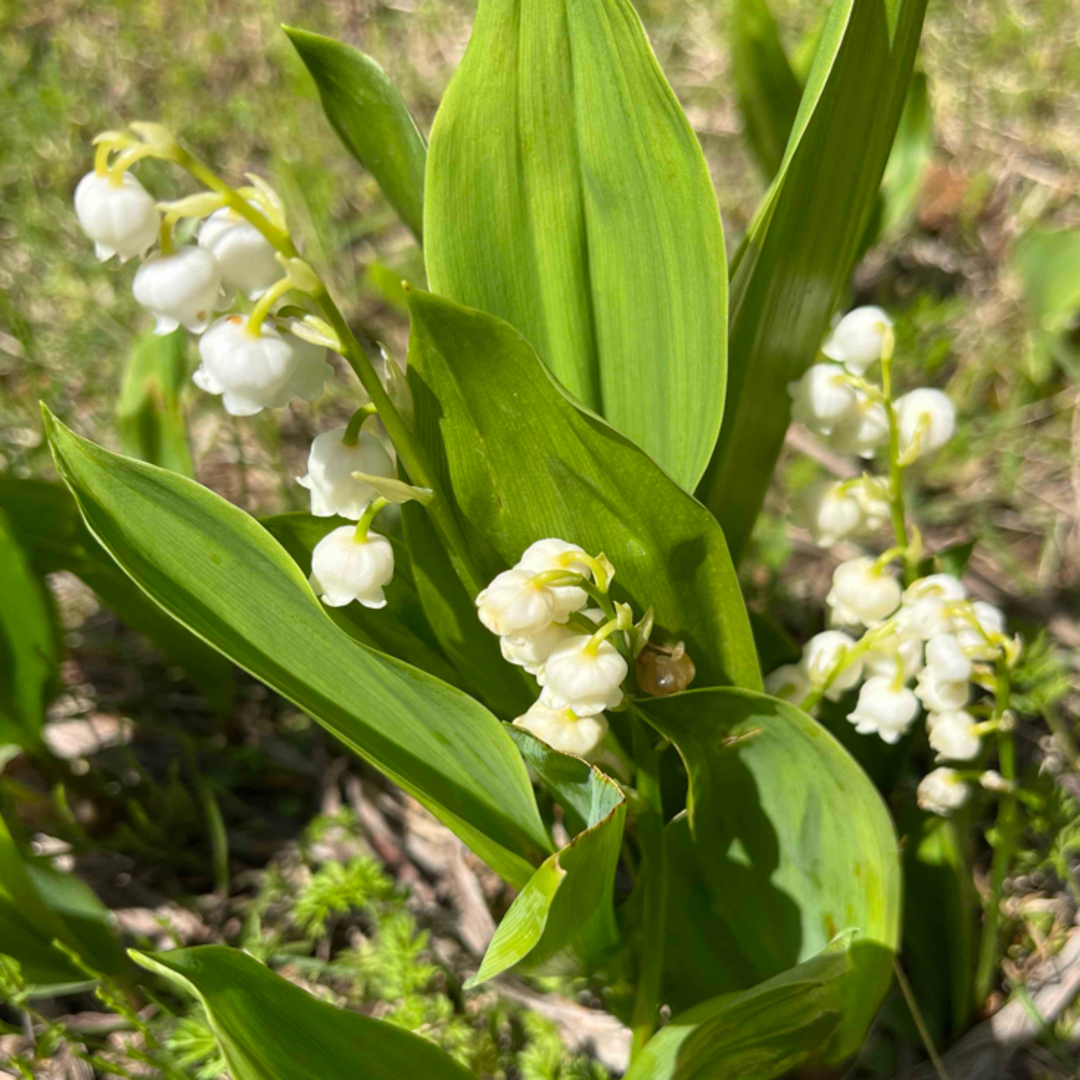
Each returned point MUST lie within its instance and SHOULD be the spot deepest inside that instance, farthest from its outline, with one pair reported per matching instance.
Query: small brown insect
(664, 669)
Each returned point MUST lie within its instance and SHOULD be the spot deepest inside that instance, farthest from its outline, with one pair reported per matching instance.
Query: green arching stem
(352, 429)
(367, 517)
(1005, 838)
(896, 469)
(166, 236)
(601, 636)
(265, 302)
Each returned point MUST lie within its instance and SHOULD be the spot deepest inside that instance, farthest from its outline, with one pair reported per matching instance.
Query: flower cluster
(554, 619)
(923, 648)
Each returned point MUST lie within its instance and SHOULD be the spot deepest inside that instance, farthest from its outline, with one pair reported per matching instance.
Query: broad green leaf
(911, 151)
(371, 119)
(768, 89)
(46, 523)
(523, 462)
(452, 616)
(753, 1035)
(28, 646)
(222, 575)
(795, 263)
(39, 908)
(270, 1029)
(563, 920)
(400, 629)
(149, 416)
(788, 845)
(567, 194)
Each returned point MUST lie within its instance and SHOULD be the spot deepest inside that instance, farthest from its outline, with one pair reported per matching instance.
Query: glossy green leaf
(789, 844)
(523, 462)
(149, 416)
(768, 89)
(795, 264)
(45, 521)
(400, 629)
(28, 646)
(270, 1029)
(371, 119)
(909, 159)
(42, 912)
(221, 574)
(567, 194)
(563, 920)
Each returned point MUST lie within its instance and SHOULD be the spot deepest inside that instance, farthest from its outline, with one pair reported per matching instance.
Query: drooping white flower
(255, 372)
(247, 259)
(941, 695)
(563, 730)
(926, 419)
(554, 554)
(953, 735)
(121, 218)
(992, 780)
(822, 398)
(923, 612)
(942, 586)
(789, 683)
(344, 569)
(905, 651)
(331, 464)
(532, 652)
(181, 289)
(515, 604)
(862, 430)
(583, 678)
(862, 594)
(829, 510)
(822, 653)
(884, 709)
(856, 340)
(947, 659)
(942, 791)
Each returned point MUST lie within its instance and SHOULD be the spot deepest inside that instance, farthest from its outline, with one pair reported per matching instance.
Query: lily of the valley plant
(588, 407)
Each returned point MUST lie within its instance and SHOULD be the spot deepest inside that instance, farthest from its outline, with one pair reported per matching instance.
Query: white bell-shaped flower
(862, 430)
(331, 464)
(942, 791)
(789, 683)
(516, 605)
(822, 653)
(181, 289)
(953, 735)
(947, 659)
(924, 612)
(822, 398)
(247, 259)
(344, 569)
(582, 676)
(939, 694)
(555, 554)
(926, 420)
(862, 594)
(121, 218)
(884, 709)
(563, 729)
(857, 339)
(255, 372)
(531, 653)
(895, 651)
(830, 511)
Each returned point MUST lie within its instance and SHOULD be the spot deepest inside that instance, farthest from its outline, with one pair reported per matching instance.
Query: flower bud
(857, 339)
(926, 420)
(247, 259)
(181, 289)
(344, 569)
(884, 709)
(861, 594)
(555, 554)
(862, 430)
(947, 659)
(953, 735)
(563, 729)
(905, 651)
(121, 218)
(829, 510)
(923, 609)
(255, 372)
(516, 605)
(942, 791)
(789, 683)
(532, 652)
(941, 695)
(821, 398)
(822, 653)
(582, 677)
(331, 464)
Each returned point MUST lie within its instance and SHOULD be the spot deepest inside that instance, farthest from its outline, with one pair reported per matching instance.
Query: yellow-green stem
(896, 469)
(367, 517)
(352, 429)
(265, 302)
